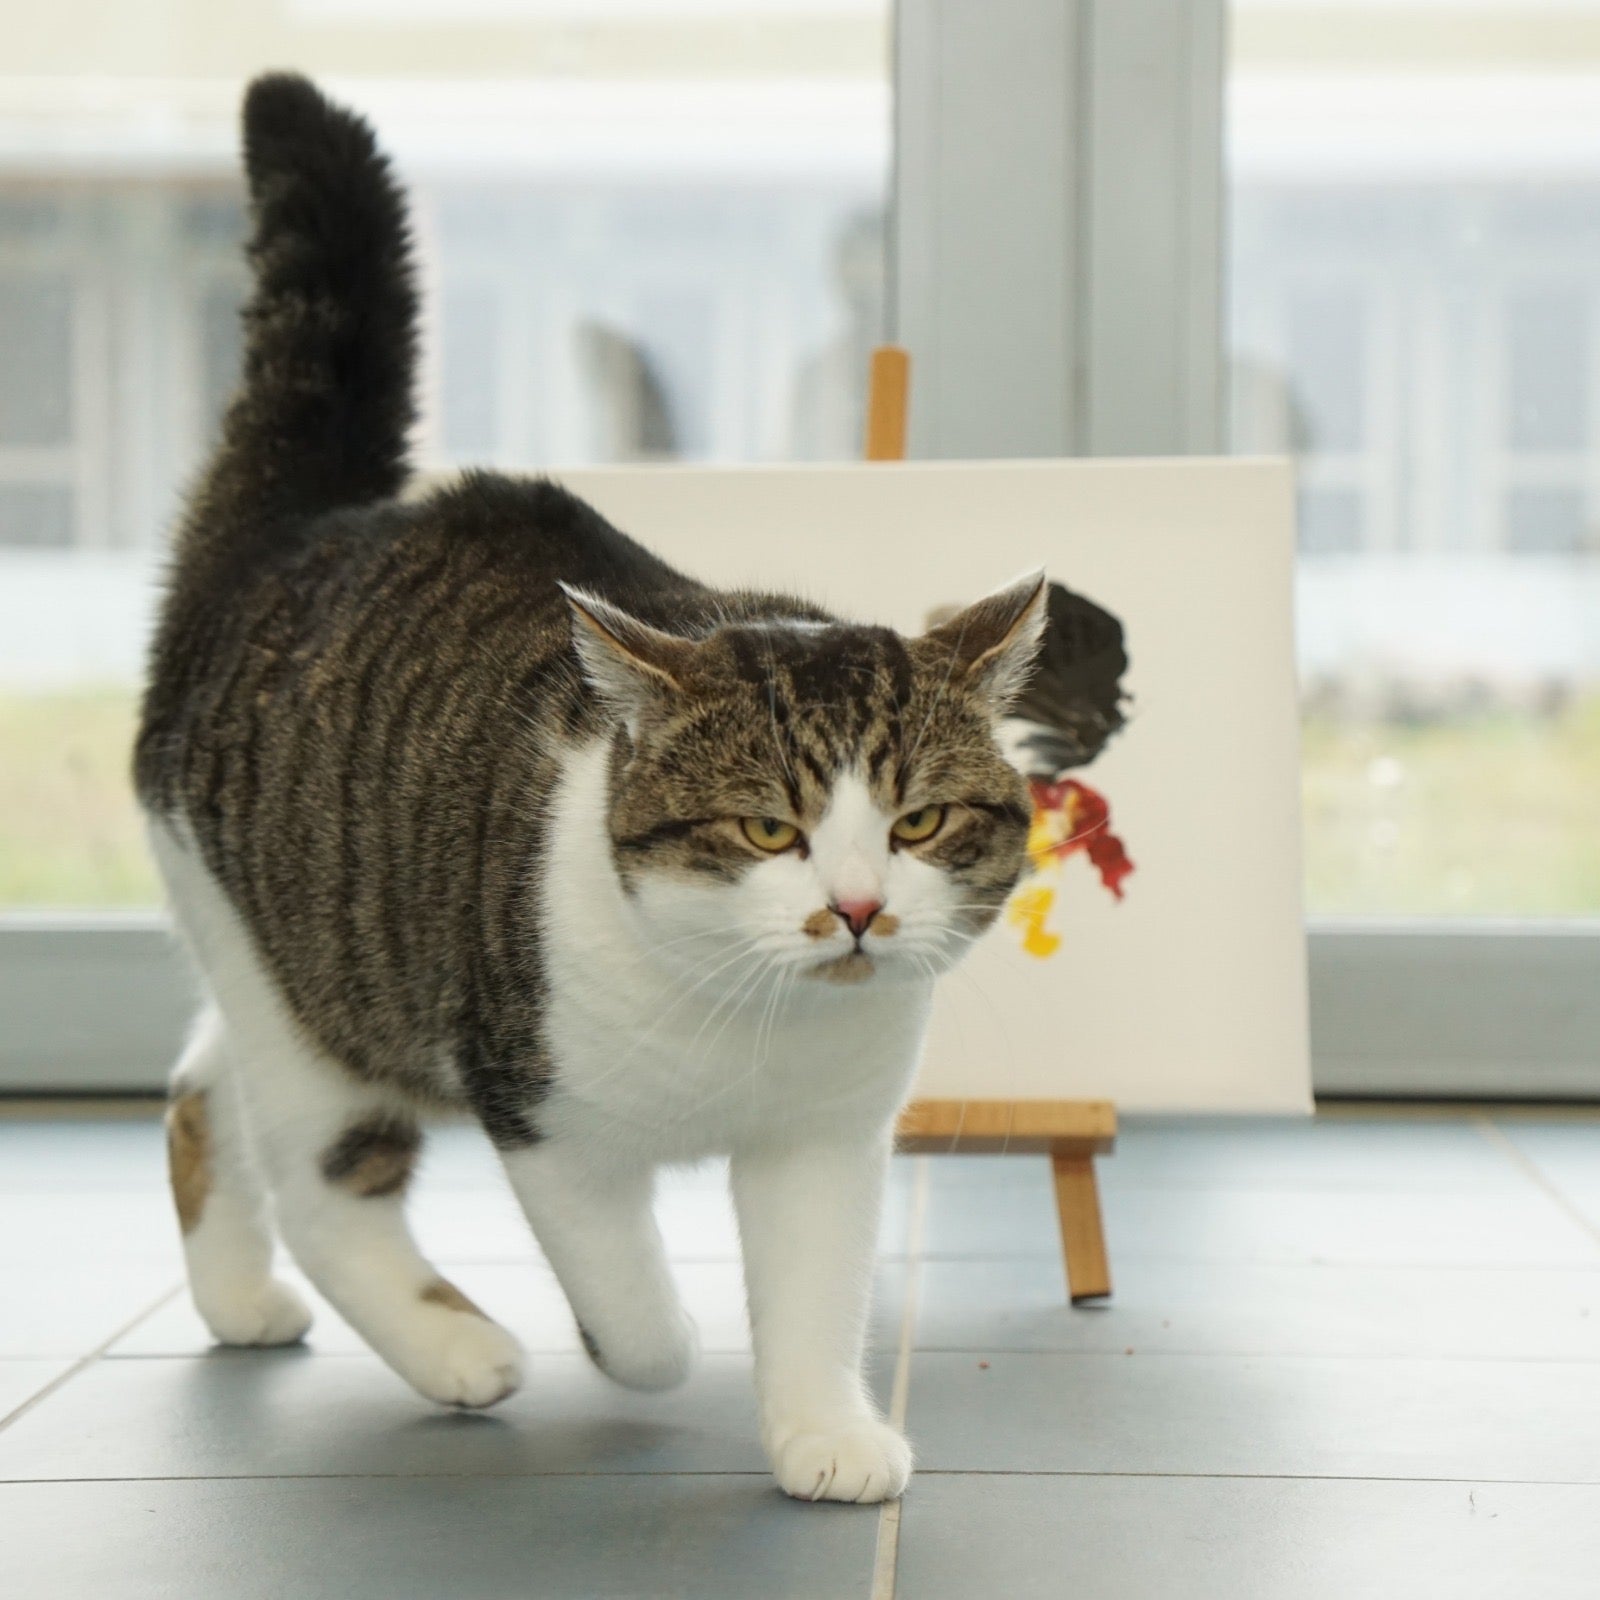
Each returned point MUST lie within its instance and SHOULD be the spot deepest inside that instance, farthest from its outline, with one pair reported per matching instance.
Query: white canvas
(1188, 994)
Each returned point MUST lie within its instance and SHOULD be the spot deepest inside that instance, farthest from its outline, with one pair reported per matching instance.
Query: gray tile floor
(1346, 1358)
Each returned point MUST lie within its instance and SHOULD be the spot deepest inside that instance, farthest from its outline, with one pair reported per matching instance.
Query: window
(621, 263)
(1415, 231)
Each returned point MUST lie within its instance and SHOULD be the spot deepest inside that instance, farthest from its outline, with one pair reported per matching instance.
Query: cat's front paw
(864, 1460)
(656, 1356)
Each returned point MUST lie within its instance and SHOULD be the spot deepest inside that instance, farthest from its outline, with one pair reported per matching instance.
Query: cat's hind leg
(222, 1202)
(336, 1154)
(339, 1156)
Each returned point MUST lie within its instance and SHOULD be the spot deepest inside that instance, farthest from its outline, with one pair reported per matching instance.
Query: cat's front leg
(808, 1217)
(597, 1227)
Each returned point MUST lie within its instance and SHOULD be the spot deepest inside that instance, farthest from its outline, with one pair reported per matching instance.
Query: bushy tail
(330, 328)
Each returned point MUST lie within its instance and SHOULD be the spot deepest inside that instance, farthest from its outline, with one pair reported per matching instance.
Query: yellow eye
(768, 833)
(915, 826)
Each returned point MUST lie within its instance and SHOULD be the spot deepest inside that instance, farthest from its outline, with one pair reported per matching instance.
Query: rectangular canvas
(1170, 976)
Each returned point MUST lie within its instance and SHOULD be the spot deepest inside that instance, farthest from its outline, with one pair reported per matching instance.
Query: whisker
(741, 954)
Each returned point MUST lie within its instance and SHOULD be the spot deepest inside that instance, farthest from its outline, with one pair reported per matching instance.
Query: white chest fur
(680, 1060)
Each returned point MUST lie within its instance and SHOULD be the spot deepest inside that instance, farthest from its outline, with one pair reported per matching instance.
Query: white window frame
(1059, 252)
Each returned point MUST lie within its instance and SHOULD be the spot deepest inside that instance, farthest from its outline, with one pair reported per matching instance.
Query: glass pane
(1413, 294)
(470, 336)
(35, 515)
(660, 236)
(1330, 522)
(36, 374)
(221, 351)
(1325, 358)
(1550, 520)
(1547, 335)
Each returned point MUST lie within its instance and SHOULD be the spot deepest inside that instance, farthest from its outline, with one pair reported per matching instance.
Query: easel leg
(1083, 1240)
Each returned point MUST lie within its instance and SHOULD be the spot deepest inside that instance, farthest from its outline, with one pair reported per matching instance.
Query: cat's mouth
(855, 966)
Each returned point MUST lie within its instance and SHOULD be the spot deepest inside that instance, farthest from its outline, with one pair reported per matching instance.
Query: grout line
(887, 1554)
(1496, 1135)
(764, 1473)
(1279, 1263)
(1209, 1477)
(761, 1475)
(83, 1363)
(1121, 1352)
(1115, 1353)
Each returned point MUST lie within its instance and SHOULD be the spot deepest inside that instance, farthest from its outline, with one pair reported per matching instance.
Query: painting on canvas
(1153, 954)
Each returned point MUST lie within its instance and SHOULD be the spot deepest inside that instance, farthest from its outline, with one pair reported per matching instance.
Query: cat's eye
(768, 833)
(915, 826)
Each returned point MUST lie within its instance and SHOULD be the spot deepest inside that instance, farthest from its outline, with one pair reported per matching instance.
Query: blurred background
(657, 229)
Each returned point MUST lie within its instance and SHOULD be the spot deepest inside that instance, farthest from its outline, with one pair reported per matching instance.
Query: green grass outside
(70, 833)
(1497, 815)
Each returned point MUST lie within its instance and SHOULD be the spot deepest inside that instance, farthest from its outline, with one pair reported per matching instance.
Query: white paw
(657, 1356)
(458, 1359)
(864, 1460)
(268, 1313)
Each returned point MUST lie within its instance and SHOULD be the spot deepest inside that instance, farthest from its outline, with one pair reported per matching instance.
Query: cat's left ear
(994, 640)
(628, 661)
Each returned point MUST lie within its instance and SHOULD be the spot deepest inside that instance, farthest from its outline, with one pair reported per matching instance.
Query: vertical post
(1083, 1239)
(888, 387)
(1058, 235)
(986, 228)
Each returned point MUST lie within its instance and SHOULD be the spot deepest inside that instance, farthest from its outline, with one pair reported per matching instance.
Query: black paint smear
(1074, 699)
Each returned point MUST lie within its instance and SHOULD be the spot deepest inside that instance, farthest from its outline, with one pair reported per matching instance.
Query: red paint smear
(1094, 837)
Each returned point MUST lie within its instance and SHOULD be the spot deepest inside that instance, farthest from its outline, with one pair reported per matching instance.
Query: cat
(468, 802)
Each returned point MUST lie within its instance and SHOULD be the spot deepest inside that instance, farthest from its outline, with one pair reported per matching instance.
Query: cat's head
(825, 798)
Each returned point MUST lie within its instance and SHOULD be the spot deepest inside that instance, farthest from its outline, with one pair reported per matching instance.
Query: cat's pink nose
(857, 914)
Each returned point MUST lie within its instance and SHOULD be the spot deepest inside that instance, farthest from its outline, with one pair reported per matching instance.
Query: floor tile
(69, 1307)
(1566, 1152)
(1322, 1152)
(1270, 1416)
(20, 1381)
(1512, 1227)
(110, 1225)
(1310, 1307)
(246, 1413)
(40, 1155)
(713, 1538)
(1031, 1538)
(1341, 1153)
(1251, 1308)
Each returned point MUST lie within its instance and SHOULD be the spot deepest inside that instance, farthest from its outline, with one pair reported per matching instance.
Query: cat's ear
(993, 642)
(629, 662)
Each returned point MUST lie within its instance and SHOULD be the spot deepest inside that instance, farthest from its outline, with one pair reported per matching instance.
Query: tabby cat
(468, 802)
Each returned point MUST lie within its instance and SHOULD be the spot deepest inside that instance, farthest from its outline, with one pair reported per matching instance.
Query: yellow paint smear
(1029, 910)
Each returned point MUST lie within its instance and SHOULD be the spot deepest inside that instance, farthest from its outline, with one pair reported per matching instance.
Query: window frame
(1107, 141)
(97, 1004)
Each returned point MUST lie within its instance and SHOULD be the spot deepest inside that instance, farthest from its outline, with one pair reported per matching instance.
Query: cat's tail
(326, 401)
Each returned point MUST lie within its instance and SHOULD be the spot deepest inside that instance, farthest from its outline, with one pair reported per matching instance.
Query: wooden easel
(1071, 1132)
